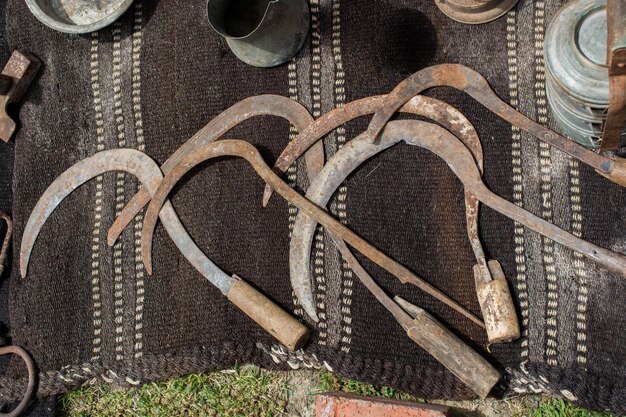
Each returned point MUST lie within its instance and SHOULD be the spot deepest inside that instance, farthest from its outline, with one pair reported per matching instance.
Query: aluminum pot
(78, 16)
(577, 76)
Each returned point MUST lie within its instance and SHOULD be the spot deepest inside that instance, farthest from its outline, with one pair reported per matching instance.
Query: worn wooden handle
(496, 304)
(276, 321)
(617, 173)
(471, 368)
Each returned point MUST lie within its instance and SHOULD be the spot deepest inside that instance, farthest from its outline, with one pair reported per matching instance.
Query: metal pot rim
(64, 27)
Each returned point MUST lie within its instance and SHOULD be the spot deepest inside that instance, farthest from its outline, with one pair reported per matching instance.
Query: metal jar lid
(575, 51)
(475, 11)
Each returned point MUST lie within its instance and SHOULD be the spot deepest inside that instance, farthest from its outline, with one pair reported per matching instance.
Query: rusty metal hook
(496, 305)
(32, 378)
(459, 159)
(467, 80)
(268, 105)
(4, 249)
(245, 150)
(261, 309)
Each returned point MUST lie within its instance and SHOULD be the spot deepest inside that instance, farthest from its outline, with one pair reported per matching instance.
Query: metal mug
(262, 33)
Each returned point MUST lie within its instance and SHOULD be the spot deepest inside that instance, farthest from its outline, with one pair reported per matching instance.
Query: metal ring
(32, 378)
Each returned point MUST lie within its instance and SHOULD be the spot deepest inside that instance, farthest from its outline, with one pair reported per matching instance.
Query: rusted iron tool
(268, 315)
(460, 160)
(16, 76)
(432, 336)
(268, 105)
(16, 350)
(32, 378)
(245, 150)
(8, 234)
(616, 116)
(474, 84)
(496, 310)
(501, 322)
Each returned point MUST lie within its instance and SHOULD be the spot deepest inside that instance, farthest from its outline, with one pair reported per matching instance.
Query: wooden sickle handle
(467, 365)
(276, 321)
(617, 173)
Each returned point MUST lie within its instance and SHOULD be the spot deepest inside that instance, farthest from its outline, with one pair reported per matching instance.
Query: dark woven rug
(88, 312)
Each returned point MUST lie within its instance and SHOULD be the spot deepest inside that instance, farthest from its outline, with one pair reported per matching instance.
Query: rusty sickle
(268, 105)
(474, 84)
(432, 336)
(322, 188)
(267, 314)
(245, 150)
(6, 242)
(460, 160)
(424, 106)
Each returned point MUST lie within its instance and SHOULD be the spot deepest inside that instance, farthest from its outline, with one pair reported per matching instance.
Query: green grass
(250, 391)
(553, 407)
(332, 382)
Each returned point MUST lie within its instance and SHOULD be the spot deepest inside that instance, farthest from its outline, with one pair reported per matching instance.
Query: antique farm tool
(461, 161)
(78, 16)
(262, 33)
(15, 350)
(32, 378)
(495, 309)
(475, 11)
(16, 76)
(612, 135)
(6, 242)
(268, 315)
(249, 153)
(432, 336)
(586, 98)
(270, 105)
(471, 82)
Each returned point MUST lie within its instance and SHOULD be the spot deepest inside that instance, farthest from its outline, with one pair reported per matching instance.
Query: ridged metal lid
(475, 12)
(575, 50)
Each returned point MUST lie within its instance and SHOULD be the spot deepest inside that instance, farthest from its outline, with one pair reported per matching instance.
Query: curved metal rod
(429, 107)
(467, 80)
(442, 113)
(245, 150)
(6, 242)
(269, 105)
(147, 171)
(457, 156)
(32, 378)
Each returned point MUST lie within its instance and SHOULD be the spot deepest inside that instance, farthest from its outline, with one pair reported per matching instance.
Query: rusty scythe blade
(245, 150)
(474, 84)
(271, 105)
(147, 171)
(424, 106)
(257, 306)
(459, 159)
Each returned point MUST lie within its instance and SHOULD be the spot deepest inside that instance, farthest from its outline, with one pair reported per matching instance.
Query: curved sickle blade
(147, 171)
(465, 79)
(442, 113)
(459, 159)
(245, 150)
(323, 187)
(268, 105)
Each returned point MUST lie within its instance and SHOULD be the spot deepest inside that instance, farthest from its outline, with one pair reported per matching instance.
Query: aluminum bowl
(78, 16)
